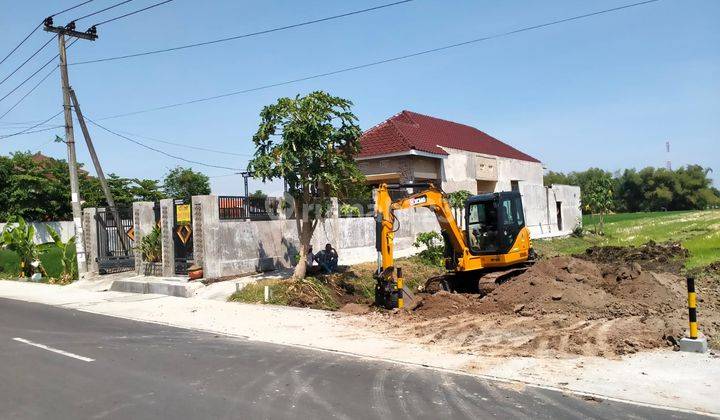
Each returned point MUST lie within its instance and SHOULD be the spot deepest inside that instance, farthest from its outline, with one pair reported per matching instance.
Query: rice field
(698, 231)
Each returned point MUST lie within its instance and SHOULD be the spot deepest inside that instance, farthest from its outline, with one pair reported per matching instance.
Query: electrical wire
(204, 149)
(72, 8)
(158, 150)
(21, 42)
(29, 92)
(27, 130)
(379, 62)
(38, 27)
(102, 10)
(28, 59)
(247, 35)
(37, 71)
(132, 13)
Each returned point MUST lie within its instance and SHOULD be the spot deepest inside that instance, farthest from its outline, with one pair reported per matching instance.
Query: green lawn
(49, 256)
(698, 231)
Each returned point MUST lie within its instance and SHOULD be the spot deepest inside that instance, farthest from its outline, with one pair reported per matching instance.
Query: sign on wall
(182, 214)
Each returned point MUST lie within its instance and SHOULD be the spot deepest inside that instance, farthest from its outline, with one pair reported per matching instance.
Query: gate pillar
(167, 225)
(90, 238)
(143, 224)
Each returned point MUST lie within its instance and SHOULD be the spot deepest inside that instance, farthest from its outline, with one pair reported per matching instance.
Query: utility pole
(91, 35)
(99, 171)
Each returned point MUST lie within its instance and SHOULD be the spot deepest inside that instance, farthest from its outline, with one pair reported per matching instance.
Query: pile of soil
(666, 256)
(561, 305)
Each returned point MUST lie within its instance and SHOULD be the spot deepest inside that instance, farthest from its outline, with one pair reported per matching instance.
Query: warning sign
(182, 214)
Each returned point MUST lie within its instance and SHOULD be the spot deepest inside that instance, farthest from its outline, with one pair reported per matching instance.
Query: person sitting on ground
(327, 259)
(310, 268)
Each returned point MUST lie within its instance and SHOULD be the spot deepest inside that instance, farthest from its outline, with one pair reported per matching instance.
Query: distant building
(411, 147)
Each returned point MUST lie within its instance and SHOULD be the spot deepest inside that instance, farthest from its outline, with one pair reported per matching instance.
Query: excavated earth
(566, 305)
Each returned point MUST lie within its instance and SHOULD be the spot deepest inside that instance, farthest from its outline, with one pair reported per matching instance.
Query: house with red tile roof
(412, 147)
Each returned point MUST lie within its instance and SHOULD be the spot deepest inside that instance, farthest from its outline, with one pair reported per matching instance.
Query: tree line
(36, 187)
(648, 189)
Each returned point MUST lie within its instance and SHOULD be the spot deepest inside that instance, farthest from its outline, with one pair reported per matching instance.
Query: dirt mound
(666, 256)
(559, 305)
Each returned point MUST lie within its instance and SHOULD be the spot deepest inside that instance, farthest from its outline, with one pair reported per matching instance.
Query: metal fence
(115, 240)
(252, 208)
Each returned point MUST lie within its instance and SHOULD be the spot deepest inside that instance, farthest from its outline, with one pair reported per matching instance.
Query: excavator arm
(385, 219)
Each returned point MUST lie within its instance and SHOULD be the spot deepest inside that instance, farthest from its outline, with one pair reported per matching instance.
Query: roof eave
(411, 152)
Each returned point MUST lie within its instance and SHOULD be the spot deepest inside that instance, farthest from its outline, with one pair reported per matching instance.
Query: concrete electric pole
(91, 35)
(100, 173)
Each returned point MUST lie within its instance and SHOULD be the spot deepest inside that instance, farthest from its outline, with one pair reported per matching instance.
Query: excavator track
(486, 283)
(490, 281)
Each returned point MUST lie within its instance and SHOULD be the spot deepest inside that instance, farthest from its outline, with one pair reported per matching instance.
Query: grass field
(49, 256)
(698, 231)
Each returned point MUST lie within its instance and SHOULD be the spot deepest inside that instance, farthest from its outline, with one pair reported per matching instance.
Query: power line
(379, 62)
(38, 27)
(29, 92)
(102, 10)
(158, 150)
(204, 149)
(132, 13)
(21, 42)
(27, 130)
(26, 60)
(248, 35)
(72, 8)
(36, 72)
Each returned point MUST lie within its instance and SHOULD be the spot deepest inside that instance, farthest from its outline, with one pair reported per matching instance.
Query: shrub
(348, 210)
(19, 237)
(151, 246)
(434, 248)
(67, 256)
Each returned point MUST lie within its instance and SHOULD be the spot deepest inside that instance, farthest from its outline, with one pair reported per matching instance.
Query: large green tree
(311, 142)
(649, 189)
(34, 187)
(147, 190)
(184, 183)
(37, 188)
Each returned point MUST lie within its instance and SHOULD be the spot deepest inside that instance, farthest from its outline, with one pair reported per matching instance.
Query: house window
(515, 186)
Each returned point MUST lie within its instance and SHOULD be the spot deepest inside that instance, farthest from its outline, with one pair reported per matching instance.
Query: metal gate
(183, 236)
(115, 240)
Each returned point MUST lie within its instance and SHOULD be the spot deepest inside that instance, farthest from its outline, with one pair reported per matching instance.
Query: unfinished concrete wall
(541, 205)
(462, 170)
(65, 228)
(526, 173)
(233, 247)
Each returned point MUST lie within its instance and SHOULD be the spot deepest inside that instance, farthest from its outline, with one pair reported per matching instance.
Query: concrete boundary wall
(65, 228)
(233, 247)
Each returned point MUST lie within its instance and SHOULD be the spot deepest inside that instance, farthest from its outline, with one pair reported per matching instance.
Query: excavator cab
(493, 222)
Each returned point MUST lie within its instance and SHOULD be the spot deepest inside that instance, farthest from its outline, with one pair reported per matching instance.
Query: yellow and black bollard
(692, 307)
(694, 343)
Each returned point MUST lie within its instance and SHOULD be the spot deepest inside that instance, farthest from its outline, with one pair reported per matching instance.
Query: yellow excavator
(494, 247)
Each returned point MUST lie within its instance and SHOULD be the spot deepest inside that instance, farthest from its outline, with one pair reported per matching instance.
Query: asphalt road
(64, 364)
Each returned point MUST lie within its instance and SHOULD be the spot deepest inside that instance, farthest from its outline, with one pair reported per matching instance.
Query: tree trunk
(305, 231)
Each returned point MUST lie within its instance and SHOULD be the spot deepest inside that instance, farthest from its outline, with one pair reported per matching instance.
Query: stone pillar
(143, 223)
(90, 238)
(167, 226)
(206, 222)
(334, 208)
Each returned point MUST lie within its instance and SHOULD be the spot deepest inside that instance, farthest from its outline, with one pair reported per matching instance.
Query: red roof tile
(412, 131)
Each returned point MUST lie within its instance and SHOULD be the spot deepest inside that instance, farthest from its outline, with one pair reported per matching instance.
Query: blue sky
(607, 91)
